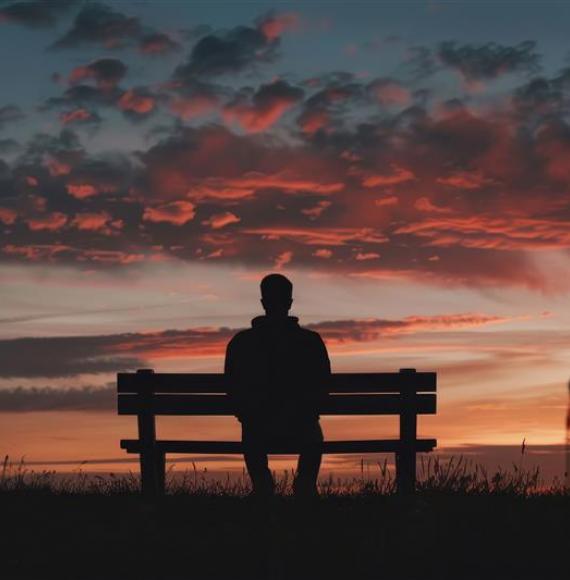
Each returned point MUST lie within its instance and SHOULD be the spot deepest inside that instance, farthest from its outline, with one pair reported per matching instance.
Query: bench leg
(160, 471)
(148, 474)
(406, 455)
(406, 471)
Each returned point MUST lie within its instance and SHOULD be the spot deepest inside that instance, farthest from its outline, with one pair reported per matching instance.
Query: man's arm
(325, 370)
(231, 379)
(321, 372)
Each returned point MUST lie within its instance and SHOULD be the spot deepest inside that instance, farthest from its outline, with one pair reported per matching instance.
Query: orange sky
(501, 364)
(406, 166)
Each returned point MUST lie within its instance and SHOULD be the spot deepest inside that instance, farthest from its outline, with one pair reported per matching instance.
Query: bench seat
(235, 447)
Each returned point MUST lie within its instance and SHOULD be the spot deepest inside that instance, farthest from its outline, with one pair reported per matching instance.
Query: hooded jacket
(277, 370)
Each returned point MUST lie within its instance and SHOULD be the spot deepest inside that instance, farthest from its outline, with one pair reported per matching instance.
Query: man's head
(276, 295)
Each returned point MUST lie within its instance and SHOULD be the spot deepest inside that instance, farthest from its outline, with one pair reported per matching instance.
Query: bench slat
(335, 404)
(340, 382)
(235, 447)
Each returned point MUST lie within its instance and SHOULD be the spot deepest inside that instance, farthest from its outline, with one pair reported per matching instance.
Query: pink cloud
(273, 26)
(283, 259)
(323, 253)
(267, 106)
(316, 211)
(247, 185)
(136, 102)
(92, 221)
(386, 201)
(487, 232)
(364, 330)
(35, 252)
(361, 256)
(312, 121)
(75, 116)
(399, 175)
(57, 167)
(220, 220)
(389, 92)
(7, 215)
(110, 257)
(193, 106)
(81, 190)
(320, 236)
(464, 180)
(175, 212)
(51, 222)
(424, 204)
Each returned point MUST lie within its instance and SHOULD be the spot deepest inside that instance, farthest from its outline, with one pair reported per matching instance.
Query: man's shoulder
(241, 337)
(310, 335)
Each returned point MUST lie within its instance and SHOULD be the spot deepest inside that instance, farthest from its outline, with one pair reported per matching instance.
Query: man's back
(277, 376)
(277, 370)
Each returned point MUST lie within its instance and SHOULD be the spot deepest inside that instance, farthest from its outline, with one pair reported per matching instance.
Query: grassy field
(463, 523)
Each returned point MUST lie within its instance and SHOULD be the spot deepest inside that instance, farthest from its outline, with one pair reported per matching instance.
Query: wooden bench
(146, 394)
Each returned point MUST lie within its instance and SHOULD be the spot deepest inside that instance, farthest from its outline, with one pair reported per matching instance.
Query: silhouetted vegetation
(463, 523)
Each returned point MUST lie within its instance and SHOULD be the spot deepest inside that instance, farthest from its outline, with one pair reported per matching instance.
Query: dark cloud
(100, 24)
(9, 146)
(195, 98)
(10, 114)
(81, 96)
(19, 399)
(543, 98)
(195, 32)
(325, 108)
(474, 62)
(81, 103)
(227, 52)
(42, 149)
(35, 14)
(106, 72)
(489, 61)
(421, 62)
(65, 356)
(108, 174)
(71, 356)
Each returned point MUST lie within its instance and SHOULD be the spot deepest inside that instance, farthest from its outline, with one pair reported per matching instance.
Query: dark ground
(69, 536)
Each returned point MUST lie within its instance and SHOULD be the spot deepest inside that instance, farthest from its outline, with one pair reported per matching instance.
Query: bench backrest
(407, 391)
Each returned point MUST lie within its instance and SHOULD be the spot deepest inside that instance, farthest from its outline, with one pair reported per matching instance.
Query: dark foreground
(435, 535)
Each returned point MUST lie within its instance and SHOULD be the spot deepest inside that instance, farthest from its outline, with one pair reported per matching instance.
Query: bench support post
(406, 455)
(160, 471)
(147, 437)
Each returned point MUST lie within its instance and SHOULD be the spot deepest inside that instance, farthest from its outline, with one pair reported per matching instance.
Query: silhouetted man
(277, 375)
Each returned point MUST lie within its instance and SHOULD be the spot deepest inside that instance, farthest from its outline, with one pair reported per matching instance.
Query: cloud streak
(75, 355)
(18, 400)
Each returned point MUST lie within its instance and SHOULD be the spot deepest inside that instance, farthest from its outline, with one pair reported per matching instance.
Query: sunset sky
(406, 164)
